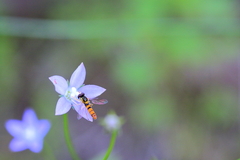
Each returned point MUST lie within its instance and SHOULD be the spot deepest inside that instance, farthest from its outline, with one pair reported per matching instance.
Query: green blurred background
(171, 69)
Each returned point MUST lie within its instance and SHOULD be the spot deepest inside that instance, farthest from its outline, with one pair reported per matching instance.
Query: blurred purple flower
(69, 92)
(112, 122)
(28, 133)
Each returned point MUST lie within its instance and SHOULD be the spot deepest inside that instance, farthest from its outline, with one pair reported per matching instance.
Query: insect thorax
(85, 99)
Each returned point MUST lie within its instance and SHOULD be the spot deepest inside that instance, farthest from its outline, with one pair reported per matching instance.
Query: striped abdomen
(88, 105)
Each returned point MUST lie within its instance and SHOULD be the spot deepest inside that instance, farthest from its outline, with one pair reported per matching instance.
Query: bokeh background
(171, 69)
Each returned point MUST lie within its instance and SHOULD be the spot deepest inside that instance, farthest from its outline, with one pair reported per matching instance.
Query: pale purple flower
(28, 133)
(69, 92)
(112, 122)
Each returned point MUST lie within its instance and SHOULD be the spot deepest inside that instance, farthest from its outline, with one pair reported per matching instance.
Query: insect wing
(99, 101)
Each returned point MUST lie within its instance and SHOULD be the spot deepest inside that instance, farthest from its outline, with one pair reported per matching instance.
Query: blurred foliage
(218, 107)
(8, 80)
(163, 64)
(153, 113)
(135, 72)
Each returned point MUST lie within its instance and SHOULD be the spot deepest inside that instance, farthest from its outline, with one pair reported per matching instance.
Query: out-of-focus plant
(28, 133)
(112, 123)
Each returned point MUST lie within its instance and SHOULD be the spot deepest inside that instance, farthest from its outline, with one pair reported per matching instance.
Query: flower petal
(92, 91)
(17, 145)
(79, 116)
(78, 76)
(43, 127)
(15, 128)
(29, 117)
(63, 106)
(60, 84)
(83, 112)
(36, 146)
(78, 107)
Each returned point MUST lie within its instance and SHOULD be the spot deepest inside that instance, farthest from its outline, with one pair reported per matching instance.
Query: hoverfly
(88, 105)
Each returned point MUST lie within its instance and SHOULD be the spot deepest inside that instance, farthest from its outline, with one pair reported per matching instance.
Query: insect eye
(80, 95)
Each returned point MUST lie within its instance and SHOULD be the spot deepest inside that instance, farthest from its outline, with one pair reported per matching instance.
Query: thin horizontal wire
(101, 29)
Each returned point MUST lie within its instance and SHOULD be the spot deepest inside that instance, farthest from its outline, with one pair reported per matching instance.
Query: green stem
(68, 138)
(111, 144)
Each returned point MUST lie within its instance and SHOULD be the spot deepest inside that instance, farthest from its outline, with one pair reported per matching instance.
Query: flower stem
(111, 144)
(68, 138)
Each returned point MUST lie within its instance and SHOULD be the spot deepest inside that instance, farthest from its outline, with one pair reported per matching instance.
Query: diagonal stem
(70, 147)
(111, 144)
